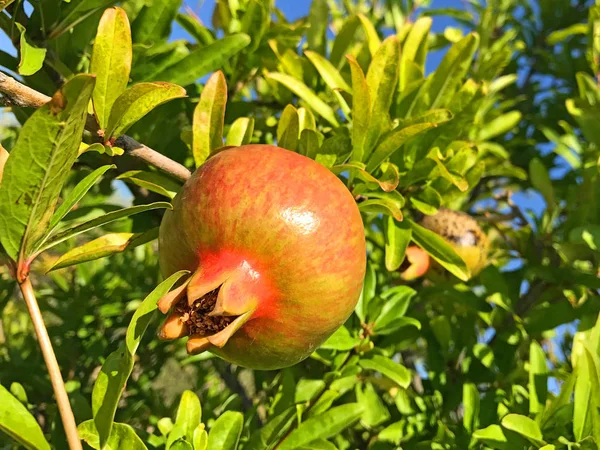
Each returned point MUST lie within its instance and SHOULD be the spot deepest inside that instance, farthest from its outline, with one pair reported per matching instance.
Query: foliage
(451, 362)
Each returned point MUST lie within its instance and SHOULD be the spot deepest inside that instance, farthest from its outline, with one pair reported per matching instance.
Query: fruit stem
(62, 400)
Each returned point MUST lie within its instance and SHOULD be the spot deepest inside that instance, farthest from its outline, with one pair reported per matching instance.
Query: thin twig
(15, 93)
(62, 400)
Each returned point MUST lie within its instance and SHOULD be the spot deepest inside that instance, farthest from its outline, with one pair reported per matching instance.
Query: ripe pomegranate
(276, 247)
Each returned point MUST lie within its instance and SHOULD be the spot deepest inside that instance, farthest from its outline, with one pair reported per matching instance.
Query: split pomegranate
(276, 247)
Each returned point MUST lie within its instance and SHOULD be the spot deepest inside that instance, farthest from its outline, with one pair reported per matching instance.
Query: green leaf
(387, 206)
(76, 195)
(361, 110)
(195, 28)
(413, 51)
(454, 178)
(440, 250)
(99, 221)
(288, 128)
(397, 238)
(538, 378)
(226, 431)
(471, 407)
(341, 340)
(540, 179)
(323, 426)
(240, 132)
(136, 102)
(115, 371)
(189, 414)
(39, 163)
(32, 58)
(209, 117)
(309, 143)
(523, 425)
(382, 78)
(153, 181)
(266, 435)
(439, 88)
(563, 399)
(19, 424)
(390, 318)
(306, 94)
(122, 437)
(560, 35)
(375, 412)
(319, 444)
(111, 62)
(373, 40)
(428, 201)
(494, 437)
(367, 294)
(500, 125)
(153, 23)
(392, 141)
(394, 371)
(200, 438)
(204, 60)
(586, 413)
(318, 19)
(328, 72)
(343, 41)
(104, 246)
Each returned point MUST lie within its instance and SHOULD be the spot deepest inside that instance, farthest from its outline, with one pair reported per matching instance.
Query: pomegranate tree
(276, 247)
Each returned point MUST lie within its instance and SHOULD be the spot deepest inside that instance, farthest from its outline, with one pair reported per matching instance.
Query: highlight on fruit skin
(461, 231)
(276, 247)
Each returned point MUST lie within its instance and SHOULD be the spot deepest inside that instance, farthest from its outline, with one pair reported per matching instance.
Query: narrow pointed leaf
(500, 125)
(392, 141)
(117, 368)
(63, 235)
(111, 61)
(153, 181)
(440, 250)
(104, 246)
(382, 79)
(209, 117)
(394, 371)
(343, 41)
(538, 378)
(318, 19)
(307, 95)
(204, 60)
(372, 37)
(38, 166)
(323, 426)
(330, 74)
(397, 238)
(76, 195)
(361, 110)
(526, 427)
(136, 102)
(18, 423)
(414, 45)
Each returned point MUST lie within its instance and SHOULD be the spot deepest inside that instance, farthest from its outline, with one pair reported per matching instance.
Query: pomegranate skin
(282, 238)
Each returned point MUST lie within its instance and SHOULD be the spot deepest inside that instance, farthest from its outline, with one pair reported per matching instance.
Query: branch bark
(15, 93)
(62, 399)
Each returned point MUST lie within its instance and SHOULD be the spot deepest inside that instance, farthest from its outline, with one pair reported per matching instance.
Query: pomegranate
(276, 247)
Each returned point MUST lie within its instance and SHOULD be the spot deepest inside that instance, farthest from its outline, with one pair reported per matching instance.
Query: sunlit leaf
(209, 117)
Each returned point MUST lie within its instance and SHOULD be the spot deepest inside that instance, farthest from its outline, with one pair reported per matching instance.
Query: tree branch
(62, 399)
(15, 93)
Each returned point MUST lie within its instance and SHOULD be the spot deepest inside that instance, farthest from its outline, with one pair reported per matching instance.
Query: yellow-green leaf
(361, 110)
(209, 117)
(307, 95)
(32, 57)
(136, 102)
(288, 128)
(111, 61)
(240, 132)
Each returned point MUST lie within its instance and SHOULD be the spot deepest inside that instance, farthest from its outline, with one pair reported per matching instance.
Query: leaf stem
(62, 400)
